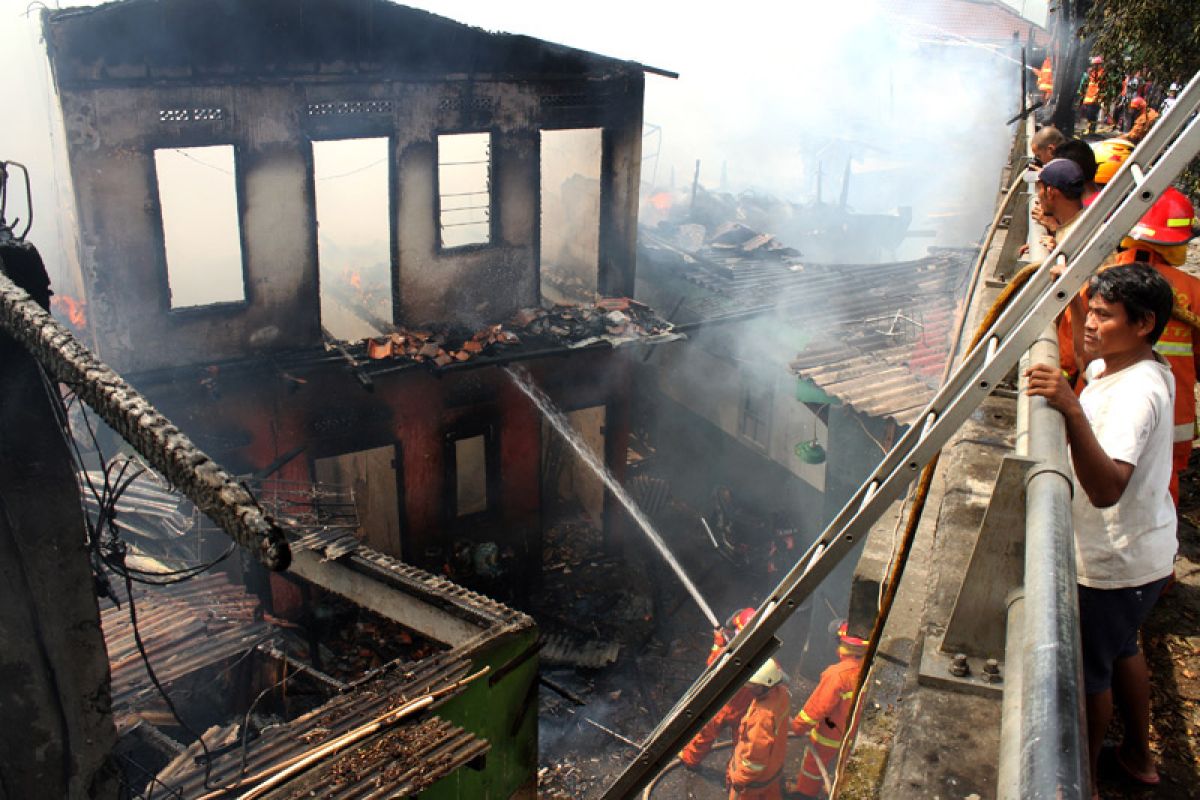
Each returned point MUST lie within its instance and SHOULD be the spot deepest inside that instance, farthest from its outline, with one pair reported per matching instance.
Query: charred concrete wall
(248, 418)
(269, 79)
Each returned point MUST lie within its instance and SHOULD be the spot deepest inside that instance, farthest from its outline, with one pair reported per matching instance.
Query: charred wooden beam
(166, 448)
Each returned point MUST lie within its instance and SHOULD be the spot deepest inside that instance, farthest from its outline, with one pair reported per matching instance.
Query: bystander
(1119, 432)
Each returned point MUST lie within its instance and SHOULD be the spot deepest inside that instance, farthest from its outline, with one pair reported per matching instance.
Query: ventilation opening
(570, 224)
(465, 189)
(354, 236)
(197, 196)
(372, 477)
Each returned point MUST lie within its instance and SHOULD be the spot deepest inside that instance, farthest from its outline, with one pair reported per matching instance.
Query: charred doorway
(351, 184)
(569, 253)
(570, 488)
(374, 477)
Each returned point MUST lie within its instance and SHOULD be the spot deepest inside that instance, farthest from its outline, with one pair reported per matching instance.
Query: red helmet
(742, 618)
(1138, 102)
(1170, 221)
(852, 643)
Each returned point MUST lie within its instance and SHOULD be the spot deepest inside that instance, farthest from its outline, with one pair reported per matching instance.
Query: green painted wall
(505, 714)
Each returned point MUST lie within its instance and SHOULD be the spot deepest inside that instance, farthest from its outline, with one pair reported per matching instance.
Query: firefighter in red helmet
(732, 712)
(823, 720)
(1160, 239)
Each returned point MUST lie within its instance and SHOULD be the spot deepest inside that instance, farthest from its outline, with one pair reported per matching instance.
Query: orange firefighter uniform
(1160, 240)
(1143, 122)
(732, 712)
(1045, 82)
(824, 716)
(723, 635)
(755, 770)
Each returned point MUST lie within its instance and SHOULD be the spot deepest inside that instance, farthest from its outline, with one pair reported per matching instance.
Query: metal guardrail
(1043, 742)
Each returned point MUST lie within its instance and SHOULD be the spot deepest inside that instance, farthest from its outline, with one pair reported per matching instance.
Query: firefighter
(1160, 240)
(822, 721)
(1091, 96)
(1045, 81)
(732, 712)
(723, 635)
(755, 770)
(1144, 119)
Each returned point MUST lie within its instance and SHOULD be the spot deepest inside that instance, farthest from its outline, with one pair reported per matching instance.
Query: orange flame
(661, 201)
(75, 310)
(356, 280)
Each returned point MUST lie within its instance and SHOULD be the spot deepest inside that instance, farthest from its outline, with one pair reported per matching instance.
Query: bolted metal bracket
(940, 670)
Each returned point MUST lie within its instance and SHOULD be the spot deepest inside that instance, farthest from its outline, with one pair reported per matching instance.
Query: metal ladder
(1171, 144)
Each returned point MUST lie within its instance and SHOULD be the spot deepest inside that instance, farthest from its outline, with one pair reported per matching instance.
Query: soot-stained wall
(247, 419)
(271, 77)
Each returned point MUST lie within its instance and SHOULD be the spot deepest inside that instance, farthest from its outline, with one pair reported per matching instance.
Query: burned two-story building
(317, 235)
(234, 274)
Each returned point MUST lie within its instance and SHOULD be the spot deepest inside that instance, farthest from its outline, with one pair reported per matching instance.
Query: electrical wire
(111, 551)
(141, 648)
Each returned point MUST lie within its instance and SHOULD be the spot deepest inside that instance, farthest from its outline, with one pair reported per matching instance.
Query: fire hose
(1178, 311)
(215, 492)
(910, 530)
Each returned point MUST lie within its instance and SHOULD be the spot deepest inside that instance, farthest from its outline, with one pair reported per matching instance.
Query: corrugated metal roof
(876, 336)
(184, 627)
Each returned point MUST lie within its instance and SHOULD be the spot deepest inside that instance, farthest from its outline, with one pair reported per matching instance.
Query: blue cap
(1064, 175)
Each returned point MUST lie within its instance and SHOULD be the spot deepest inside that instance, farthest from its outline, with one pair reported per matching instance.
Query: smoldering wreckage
(393, 484)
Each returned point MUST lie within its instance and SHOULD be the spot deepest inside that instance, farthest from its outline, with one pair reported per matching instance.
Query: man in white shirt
(1120, 433)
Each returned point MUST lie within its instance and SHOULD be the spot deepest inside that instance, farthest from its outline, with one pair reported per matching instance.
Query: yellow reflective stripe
(752, 766)
(1185, 432)
(1174, 348)
(1179, 222)
(804, 716)
(825, 740)
(848, 695)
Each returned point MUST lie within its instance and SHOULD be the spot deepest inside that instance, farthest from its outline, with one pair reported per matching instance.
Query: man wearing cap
(1060, 194)
(1078, 151)
(1171, 99)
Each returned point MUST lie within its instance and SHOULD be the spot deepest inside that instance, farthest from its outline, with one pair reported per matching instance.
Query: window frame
(222, 306)
(441, 246)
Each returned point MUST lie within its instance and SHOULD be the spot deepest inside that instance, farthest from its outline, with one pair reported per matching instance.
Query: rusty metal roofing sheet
(184, 627)
(878, 335)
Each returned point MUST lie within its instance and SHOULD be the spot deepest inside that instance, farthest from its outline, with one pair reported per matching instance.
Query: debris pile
(439, 348)
(351, 641)
(616, 320)
(720, 225)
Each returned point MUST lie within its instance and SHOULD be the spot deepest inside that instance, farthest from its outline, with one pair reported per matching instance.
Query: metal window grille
(465, 189)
